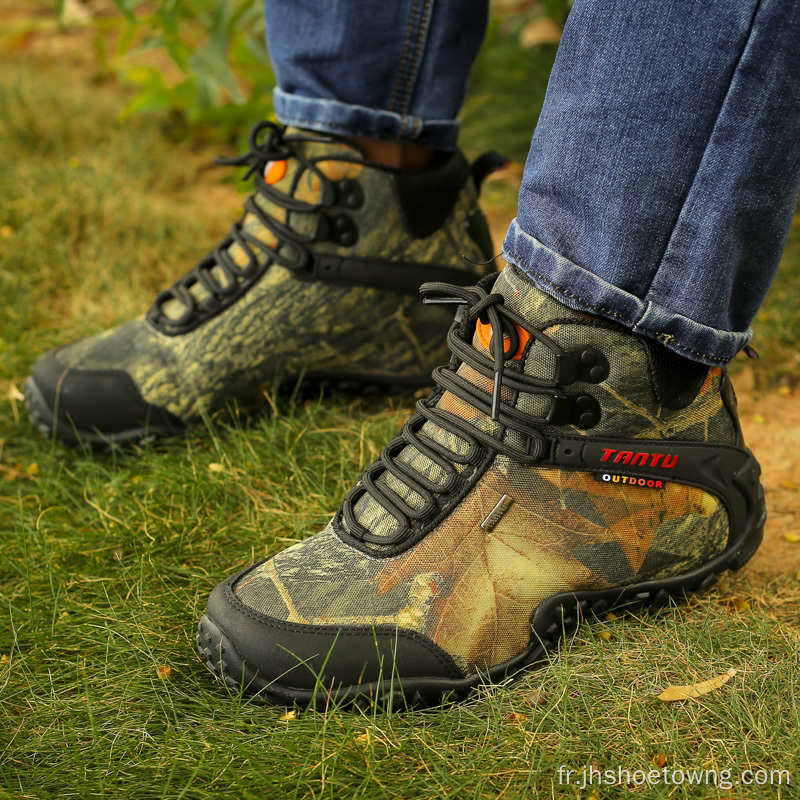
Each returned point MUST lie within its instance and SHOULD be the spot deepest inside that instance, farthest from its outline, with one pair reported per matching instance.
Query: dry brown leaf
(673, 693)
(517, 718)
(737, 604)
(533, 698)
(13, 473)
(540, 31)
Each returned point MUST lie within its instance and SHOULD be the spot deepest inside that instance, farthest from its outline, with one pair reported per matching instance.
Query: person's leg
(356, 204)
(395, 71)
(567, 463)
(659, 189)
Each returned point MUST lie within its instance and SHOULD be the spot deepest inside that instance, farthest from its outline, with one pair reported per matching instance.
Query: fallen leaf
(610, 615)
(32, 469)
(737, 604)
(784, 391)
(672, 693)
(533, 698)
(6, 232)
(759, 419)
(13, 473)
(365, 737)
(163, 672)
(659, 760)
(540, 31)
(3, 660)
(605, 635)
(288, 716)
(514, 717)
(214, 467)
(790, 485)
(792, 536)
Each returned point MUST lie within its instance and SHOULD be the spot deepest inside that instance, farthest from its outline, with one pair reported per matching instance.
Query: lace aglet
(496, 397)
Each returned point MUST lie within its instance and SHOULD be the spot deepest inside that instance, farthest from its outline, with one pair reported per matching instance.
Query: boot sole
(43, 417)
(555, 618)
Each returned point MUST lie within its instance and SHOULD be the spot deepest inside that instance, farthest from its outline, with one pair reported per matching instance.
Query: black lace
(267, 142)
(476, 303)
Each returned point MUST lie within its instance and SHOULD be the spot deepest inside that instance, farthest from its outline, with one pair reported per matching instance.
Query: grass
(106, 561)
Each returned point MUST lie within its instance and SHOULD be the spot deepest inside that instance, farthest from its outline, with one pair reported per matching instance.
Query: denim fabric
(665, 168)
(389, 70)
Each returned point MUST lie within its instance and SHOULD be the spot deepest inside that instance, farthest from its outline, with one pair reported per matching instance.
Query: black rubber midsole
(554, 616)
(43, 416)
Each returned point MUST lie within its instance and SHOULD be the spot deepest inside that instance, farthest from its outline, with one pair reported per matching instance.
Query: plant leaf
(673, 693)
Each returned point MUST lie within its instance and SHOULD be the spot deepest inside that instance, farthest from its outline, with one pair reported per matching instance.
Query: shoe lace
(221, 277)
(476, 303)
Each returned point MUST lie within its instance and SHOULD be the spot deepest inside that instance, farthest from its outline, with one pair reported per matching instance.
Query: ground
(106, 561)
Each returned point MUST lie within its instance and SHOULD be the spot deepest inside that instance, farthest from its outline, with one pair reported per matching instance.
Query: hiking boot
(563, 467)
(319, 281)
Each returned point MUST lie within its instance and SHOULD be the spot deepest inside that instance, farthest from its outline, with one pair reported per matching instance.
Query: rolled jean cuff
(331, 116)
(582, 290)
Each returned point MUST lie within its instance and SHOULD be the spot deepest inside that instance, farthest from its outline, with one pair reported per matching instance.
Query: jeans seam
(412, 76)
(395, 91)
(418, 125)
(634, 325)
(660, 262)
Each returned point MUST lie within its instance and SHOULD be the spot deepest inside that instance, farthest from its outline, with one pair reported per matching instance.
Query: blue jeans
(663, 172)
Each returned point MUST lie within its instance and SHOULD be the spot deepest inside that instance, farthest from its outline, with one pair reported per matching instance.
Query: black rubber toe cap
(95, 401)
(284, 655)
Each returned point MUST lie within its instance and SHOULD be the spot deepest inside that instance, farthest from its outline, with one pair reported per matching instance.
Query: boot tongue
(337, 160)
(532, 304)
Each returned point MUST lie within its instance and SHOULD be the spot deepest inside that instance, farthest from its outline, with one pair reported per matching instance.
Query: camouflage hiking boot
(563, 467)
(319, 280)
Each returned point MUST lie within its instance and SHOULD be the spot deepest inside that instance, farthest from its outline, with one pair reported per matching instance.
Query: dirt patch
(771, 424)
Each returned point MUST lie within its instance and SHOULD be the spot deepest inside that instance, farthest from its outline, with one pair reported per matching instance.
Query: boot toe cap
(297, 662)
(87, 404)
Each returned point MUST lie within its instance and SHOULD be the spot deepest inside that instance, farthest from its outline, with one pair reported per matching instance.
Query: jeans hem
(582, 290)
(333, 116)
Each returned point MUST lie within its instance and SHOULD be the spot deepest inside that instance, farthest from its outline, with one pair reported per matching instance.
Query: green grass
(106, 561)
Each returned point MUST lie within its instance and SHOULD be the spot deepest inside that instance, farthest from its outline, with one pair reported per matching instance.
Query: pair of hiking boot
(562, 466)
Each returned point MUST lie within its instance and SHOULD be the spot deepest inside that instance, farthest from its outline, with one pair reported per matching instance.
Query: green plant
(204, 60)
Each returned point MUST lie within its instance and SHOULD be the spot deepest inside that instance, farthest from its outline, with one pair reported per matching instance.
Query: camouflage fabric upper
(283, 327)
(471, 590)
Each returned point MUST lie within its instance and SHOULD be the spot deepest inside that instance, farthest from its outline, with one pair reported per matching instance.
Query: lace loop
(220, 276)
(478, 444)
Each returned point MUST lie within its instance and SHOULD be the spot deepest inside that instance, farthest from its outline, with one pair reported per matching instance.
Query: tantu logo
(665, 461)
